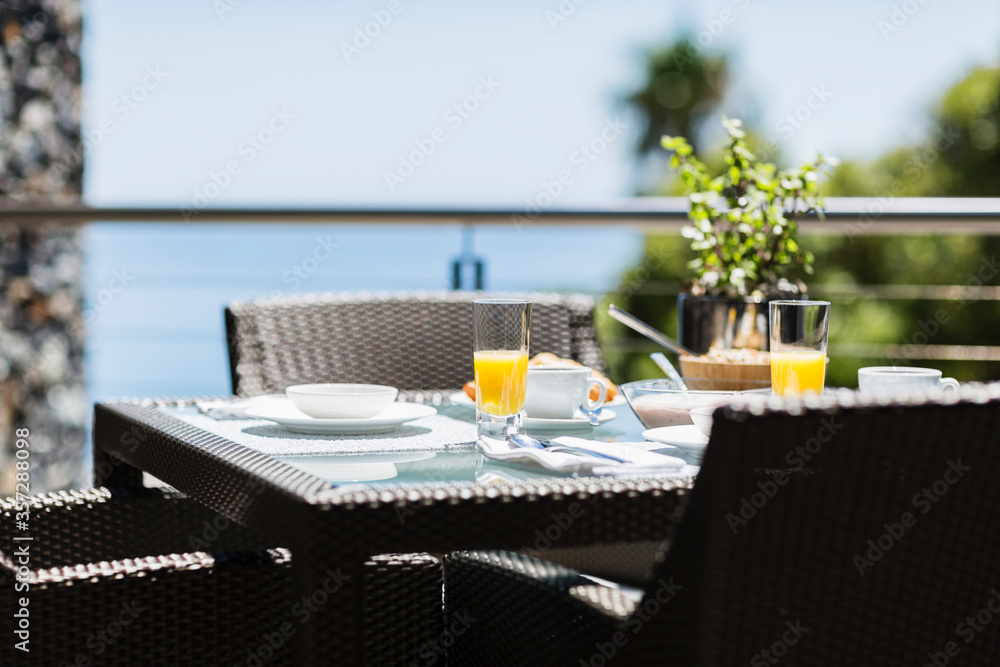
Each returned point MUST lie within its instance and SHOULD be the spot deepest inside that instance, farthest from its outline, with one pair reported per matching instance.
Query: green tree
(683, 86)
(959, 157)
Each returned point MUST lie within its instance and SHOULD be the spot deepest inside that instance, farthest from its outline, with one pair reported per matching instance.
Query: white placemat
(435, 433)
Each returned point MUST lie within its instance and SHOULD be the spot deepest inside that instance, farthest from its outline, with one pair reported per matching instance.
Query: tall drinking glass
(501, 360)
(798, 346)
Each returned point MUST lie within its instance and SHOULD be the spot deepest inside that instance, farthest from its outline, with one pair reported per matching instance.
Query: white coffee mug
(557, 392)
(903, 380)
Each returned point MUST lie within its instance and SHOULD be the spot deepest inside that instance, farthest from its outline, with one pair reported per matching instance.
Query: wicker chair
(836, 533)
(116, 580)
(418, 342)
(184, 570)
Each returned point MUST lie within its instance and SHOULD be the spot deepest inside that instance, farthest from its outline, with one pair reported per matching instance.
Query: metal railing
(884, 214)
(844, 215)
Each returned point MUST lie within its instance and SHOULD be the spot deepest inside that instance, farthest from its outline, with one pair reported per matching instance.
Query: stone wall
(41, 319)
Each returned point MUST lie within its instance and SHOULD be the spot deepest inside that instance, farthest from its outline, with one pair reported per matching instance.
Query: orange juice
(501, 376)
(797, 372)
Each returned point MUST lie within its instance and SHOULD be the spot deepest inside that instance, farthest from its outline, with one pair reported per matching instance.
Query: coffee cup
(557, 392)
(903, 380)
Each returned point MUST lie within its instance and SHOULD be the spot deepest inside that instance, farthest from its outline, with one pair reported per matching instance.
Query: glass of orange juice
(502, 329)
(798, 346)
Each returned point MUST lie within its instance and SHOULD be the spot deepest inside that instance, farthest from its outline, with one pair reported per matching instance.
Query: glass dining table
(463, 463)
(338, 500)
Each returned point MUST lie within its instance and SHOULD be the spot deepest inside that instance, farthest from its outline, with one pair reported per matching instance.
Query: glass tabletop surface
(453, 463)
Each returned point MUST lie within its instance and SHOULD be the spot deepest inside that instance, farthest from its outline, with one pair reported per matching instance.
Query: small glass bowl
(660, 403)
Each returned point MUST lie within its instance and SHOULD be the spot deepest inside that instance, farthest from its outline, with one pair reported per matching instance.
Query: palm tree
(683, 85)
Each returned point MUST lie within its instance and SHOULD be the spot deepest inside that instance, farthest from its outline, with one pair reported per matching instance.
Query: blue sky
(199, 89)
(558, 86)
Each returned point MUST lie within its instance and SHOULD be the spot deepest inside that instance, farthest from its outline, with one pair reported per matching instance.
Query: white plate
(686, 437)
(281, 411)
(580, 422)
(461, 398)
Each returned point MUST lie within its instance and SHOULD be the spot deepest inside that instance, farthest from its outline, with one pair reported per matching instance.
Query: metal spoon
(661, 360)
(649, 332)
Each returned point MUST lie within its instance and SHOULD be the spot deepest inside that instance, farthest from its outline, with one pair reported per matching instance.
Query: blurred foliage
(886, 290)
(683, 86)
(743, 228)
(960, 157)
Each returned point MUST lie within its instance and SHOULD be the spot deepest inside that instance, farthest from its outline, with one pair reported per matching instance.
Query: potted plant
(743, 230)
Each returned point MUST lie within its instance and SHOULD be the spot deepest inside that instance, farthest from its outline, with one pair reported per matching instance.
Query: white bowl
(702, 418)
(341, 401)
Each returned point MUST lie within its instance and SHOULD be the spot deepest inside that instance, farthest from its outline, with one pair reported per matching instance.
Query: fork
(545, 443)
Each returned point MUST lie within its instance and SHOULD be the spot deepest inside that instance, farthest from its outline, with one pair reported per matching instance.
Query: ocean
(162, 334)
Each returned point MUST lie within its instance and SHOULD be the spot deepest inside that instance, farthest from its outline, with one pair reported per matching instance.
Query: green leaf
(743, 227)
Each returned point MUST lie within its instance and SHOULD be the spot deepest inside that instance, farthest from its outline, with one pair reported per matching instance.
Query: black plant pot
(704, 322)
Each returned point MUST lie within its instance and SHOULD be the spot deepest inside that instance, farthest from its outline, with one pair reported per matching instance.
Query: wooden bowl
(710, 375)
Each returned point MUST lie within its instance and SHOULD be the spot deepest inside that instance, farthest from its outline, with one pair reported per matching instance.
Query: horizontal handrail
(849, 215)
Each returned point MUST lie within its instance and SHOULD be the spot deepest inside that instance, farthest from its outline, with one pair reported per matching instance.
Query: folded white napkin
(637, 459)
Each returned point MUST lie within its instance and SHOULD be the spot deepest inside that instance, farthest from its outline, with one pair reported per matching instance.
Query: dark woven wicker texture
(403, 610)
(414, 341)
(116, 581)
(501, 324)
(504, 593)
(847, 535)
(205, 591)
(629, 563)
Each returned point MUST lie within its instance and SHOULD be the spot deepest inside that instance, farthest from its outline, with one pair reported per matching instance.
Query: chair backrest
(413, 341)
(853, 534)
